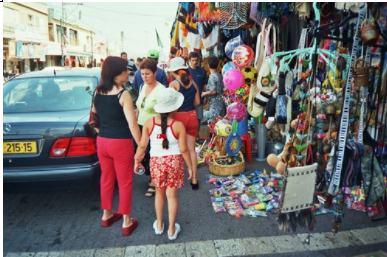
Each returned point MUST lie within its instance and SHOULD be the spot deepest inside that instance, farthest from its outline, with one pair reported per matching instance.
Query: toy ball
(236, 111)
(223, 128)
(250, 75)
(231, 45)
(233, 79)
(242, 56)
(228, 66)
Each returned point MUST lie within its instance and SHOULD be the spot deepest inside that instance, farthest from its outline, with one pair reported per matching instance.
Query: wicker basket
(227, 170)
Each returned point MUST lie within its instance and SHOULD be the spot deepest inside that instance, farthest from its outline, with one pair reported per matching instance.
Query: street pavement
(68, 224)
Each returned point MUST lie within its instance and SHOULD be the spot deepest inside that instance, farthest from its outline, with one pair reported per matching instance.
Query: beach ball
(236, 111)
(250, 75)
(231, 45)
(242, 56)
(223, 128)
(233, 79)
(228, 66)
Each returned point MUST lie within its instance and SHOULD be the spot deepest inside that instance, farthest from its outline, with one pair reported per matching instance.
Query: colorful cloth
(167, 171)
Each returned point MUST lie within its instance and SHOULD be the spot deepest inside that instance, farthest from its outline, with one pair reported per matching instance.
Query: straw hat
(177, 63)
(169, 100)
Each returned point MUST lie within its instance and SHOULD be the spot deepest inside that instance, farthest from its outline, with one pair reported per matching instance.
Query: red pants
(116, 157)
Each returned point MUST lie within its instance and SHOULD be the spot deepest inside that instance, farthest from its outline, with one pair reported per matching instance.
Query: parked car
(47, 141)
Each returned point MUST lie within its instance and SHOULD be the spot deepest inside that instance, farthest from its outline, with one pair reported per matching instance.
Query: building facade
(35, 36)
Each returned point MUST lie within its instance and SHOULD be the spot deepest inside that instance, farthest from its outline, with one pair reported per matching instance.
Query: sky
(138, 21)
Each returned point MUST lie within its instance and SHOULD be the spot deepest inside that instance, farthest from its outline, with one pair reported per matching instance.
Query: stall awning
(79, 54)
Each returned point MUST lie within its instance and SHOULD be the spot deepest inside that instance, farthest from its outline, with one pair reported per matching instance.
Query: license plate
(20, 147)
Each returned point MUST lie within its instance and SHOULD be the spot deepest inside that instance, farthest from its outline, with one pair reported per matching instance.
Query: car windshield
(48, 94)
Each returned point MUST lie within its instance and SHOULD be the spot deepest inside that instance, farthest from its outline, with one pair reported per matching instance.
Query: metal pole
(61, 32)
(122, 41)
(92, 51)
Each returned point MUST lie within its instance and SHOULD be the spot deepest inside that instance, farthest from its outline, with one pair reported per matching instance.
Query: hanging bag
(268, 71)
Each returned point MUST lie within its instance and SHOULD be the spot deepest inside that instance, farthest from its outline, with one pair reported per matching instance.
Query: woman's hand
(137, 166)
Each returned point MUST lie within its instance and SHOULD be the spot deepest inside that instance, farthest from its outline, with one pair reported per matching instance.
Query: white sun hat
(177, 63)
(169, 100)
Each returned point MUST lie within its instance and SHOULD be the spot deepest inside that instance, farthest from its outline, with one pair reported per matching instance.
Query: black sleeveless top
(189, 98)
(113, 123)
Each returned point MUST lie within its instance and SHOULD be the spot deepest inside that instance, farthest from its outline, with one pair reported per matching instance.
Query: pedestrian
(214, 91)
(200, 77)
(187, 113)
(118, 126)
(145, 103)
(168, 149)
(160, 76)
(124, 55)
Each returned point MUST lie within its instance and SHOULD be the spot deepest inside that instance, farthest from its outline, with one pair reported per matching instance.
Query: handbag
(93, 116)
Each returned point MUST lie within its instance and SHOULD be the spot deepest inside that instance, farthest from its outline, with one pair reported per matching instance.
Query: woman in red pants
(118, 126)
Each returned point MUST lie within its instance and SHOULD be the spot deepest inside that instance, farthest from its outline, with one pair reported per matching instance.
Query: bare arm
(127, 104)
(179, 129)
(175, 85)
(197, 96)
(142, 144)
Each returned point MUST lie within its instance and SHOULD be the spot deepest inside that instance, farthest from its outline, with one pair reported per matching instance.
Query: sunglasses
(143, 102)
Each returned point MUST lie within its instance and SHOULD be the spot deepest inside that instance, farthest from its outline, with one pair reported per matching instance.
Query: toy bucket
(368, 32)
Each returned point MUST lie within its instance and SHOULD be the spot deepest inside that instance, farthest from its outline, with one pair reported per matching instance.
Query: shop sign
(28, 34)
(42, 52)
(12, 48)
(25, 51)
(37, 51)
(19, 49)
(53, 49)
(31, 51)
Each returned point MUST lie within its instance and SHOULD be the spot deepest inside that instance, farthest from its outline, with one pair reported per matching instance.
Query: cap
(153, 54)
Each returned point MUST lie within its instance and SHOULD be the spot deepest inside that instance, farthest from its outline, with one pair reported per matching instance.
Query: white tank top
(156, 139)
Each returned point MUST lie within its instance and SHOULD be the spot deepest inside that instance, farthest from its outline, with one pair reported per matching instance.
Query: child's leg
(172, 208)
(159, 207)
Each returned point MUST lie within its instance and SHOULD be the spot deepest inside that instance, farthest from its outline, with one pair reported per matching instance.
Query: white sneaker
(157, 232)
(177, 231)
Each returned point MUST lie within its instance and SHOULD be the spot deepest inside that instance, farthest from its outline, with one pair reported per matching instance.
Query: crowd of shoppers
(159, 121)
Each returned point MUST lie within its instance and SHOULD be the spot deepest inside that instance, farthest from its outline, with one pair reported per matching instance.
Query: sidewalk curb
(236, 247)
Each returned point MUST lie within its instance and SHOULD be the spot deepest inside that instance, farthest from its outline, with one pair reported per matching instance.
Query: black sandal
(195, 186)
(150, 192)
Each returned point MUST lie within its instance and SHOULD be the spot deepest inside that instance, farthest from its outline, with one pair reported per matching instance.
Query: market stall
(307, 83)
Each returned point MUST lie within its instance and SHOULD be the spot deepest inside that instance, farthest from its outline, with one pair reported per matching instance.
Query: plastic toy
(231, 45)
(242, 56)
(236, 111)
(223, 128)
(233, 79)
(228, 66)
(250, 74)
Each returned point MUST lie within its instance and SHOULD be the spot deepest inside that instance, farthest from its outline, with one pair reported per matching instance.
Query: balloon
(223, 128)
(231, 45)
(250, 74)
(233, 79)
(242, 56)
(228, 66)
(236, 111)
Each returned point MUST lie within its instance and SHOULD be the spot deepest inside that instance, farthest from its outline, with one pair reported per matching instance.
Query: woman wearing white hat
(187, 113)
(168, 148)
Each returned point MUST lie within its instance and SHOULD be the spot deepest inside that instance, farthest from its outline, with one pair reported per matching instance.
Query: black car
(47, 141)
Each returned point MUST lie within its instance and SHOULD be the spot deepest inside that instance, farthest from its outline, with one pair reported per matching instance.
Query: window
(59, 33)
(51, 34)
(30, 20)
(48, 94)
(73, 37)
(10, 18)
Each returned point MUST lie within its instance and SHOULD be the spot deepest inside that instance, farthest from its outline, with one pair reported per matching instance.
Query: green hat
(153, 54)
